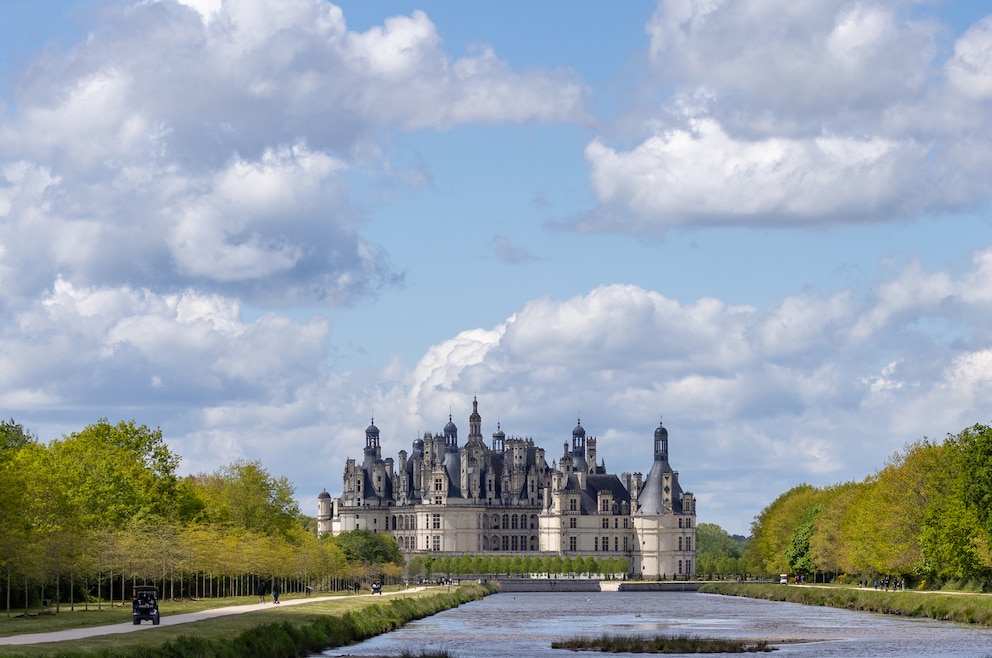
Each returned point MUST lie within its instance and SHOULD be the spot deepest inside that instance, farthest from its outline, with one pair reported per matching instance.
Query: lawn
(219, 628)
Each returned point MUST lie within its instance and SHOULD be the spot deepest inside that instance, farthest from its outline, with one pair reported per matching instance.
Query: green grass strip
(286, 633)
(963, 608)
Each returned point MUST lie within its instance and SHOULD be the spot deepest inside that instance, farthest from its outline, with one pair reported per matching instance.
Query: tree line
(486, 565)
(926, 516)
(85, 517)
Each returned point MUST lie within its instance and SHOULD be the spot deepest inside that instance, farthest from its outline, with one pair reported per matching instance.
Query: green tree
(886, 523)
(118, 472)
(798, 553)
(773, 528)
(370, 547)
(245, 496)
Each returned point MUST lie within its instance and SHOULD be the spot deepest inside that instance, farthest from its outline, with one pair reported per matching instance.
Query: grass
(273, 631)
(116, 614)
(964, 608)
(662, 644)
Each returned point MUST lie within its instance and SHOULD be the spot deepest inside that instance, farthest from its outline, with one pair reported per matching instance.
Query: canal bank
(525, 624)
(966, 608)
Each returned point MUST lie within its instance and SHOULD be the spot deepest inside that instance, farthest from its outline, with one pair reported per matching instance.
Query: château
(505, 497)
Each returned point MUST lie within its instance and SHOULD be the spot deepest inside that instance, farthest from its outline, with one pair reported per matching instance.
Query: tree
(245, 496)
(370, 547)
(829, 545)
(798, 553)
(118, 472)
(772, 530)
(885, 525)
(13, 437)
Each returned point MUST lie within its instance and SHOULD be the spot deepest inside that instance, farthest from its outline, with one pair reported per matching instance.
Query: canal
(524, 625)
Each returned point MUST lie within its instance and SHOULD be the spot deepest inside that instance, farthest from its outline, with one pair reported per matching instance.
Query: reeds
(662, 644)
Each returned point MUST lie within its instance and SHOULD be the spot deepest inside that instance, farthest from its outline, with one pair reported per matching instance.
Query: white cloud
(778, 114)
(205, 144)
(970, 70)
(92, 343)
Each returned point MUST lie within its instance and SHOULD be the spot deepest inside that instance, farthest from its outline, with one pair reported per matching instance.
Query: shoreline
(957, 607)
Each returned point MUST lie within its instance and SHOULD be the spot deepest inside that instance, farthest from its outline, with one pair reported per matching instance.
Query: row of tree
(517, 565)
(926, 516)
(85, 517)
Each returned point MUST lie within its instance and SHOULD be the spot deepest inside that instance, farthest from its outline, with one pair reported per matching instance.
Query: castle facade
(505, 497)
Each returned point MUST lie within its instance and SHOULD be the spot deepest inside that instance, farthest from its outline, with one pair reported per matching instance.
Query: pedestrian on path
(261, 592)
(275, 592)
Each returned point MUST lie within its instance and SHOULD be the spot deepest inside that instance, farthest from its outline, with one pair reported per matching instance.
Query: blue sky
(258, 224)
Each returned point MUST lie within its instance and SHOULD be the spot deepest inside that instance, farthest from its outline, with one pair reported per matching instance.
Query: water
(524, 625)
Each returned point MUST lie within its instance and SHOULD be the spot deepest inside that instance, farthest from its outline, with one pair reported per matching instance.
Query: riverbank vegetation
(925, 519)
(85, 517)
(661, 644)
(961, 607)
(281, 632)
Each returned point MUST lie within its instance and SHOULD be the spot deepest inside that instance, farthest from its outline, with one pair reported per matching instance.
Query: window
(506, 521)
(595, 545)
(436, 522)
(571, 543)
(514, 543)
(626, 546)
(616, 543)
(606, 523)
(571, 522)
(437, 542)
(506, 543)
(688, 543)
(573, 505)
(680, 567)
(606, 543)
(513, 522)
(625, 523)
(680, 543)
(680, 522)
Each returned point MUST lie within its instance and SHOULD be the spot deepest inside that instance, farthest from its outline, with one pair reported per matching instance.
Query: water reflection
(526, 624)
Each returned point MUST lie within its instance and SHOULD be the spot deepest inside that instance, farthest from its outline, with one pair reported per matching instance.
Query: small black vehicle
(144, 604)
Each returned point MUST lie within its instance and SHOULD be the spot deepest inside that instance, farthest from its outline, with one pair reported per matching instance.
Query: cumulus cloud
(816, 386)
(774, 114)
(91, 344)
(205, 144)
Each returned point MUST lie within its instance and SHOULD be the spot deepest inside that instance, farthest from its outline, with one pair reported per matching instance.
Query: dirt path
(167, 620)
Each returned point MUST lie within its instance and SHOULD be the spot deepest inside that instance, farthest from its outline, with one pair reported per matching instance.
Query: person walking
(275, 592)
(261, 592)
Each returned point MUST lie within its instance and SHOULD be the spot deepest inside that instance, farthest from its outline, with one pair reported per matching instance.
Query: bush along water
(964, 608)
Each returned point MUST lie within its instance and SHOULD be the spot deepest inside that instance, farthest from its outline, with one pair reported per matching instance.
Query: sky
(259, 225)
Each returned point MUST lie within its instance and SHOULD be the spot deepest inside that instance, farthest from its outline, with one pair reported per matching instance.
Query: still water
(524, 625)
